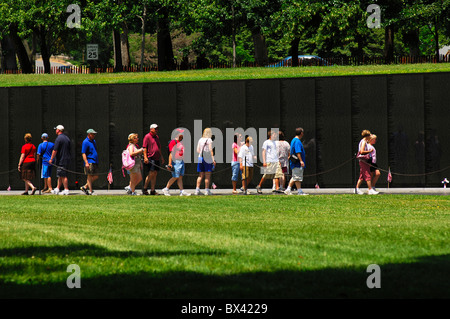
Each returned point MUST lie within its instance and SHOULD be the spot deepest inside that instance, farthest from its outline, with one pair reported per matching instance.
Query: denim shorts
(46, 171)
(235, 171)
(204, 166)
(178, 168)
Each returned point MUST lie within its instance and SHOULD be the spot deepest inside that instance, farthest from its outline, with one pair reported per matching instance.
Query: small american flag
(9, 188)
(110, 177)
(389, 178)
(214, 186)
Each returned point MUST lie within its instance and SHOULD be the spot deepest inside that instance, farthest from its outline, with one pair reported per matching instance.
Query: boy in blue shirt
(90, 158)
(45, 150)
(297, 166)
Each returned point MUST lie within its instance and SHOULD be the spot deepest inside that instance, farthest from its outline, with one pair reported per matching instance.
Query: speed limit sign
(92, 51)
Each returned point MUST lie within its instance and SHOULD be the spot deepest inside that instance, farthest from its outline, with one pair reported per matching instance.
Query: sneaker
(134, 194)
(55, 191)
(234, 192)
(184, 193)
(288, 192)
(258, 189)
(92, 193)
(207, 192)
(242, 189)
(281, 190)
(64, 192)
(198, 192)
(47, 191)
(84, 190)
(153, 193)
(166, 191)
(301, 193)
(359, 192)
(372, 192)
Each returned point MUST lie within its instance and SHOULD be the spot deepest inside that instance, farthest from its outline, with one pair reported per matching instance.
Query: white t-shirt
(246, 152)
(271, 151)
(373, 153)
(202, 148)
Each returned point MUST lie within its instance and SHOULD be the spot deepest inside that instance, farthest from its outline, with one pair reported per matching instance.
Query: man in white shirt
(245, 157)
(271, 162)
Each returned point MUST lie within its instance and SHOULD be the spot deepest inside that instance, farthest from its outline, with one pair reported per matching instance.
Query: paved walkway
(311, 191)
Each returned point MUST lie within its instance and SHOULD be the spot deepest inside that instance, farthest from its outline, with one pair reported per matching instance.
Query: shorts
(28, 171)
(235, 170)
(153, 165)
(178, 168)
(273, 170)
(61, 171)
(204, 166)
(284, 170)
(297, 174)
(92, 170)
(364, 171)
(374, 167)
(247, 173)
(136, 168)
(46, 171)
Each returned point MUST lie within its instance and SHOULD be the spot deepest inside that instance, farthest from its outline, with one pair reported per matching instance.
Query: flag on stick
(389, 176)
(110, 177)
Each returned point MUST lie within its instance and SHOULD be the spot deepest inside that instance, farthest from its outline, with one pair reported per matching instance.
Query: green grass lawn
(215, 74)
(225, 246)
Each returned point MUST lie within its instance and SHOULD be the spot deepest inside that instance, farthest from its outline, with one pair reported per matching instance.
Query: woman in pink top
(364, 167)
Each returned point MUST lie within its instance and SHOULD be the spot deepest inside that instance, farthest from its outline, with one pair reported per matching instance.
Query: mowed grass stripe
(222, 239)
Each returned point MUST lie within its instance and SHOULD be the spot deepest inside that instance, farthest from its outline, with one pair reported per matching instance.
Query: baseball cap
(153, 126)
(59, 127)
(44, 135)
(91, 131)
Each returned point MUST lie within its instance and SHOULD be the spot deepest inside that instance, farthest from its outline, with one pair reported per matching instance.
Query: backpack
(127, 161)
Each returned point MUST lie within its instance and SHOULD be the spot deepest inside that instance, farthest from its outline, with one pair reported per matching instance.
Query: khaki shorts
(297, 174)
(92, 170)
(247, 173)
(273, 170)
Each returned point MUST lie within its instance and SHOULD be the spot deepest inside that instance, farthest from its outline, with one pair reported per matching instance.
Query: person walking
(364, 168)
(45, 150)
(90, 159)
(136, 171)
(271, 162)
(374, 171)
(297, 163)
(206, 161)
(283, 149)
(61, 157)
(246, 156)
(27, 164)
(176, 164)
(235, 166)
(153, 158)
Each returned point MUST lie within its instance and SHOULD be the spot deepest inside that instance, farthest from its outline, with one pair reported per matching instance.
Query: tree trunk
(8, 54)
(20, 50)
(259, 43)
(233, 36)
(143, 18)
(118, 67)
(411, 37)
(294, 51)
(389, 44)
(436, 38)
(165, 50)
(44, 50)
(125, 46)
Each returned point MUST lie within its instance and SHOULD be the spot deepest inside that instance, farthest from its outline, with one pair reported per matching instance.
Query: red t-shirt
(151, 143)
(29, 150)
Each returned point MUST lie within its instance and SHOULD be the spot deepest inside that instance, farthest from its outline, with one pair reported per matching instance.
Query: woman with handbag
(364, 168)
(27, 164)
(135, 172)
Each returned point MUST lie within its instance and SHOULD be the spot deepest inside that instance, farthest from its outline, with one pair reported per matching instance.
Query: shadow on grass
(427, 277)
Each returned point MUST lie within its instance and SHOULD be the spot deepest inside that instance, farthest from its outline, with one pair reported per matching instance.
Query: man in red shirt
(153, 158)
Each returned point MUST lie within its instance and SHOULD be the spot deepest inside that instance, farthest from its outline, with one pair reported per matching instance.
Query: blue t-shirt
(297, 147)
(90, 149)
(62, 146)
(45, 149)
